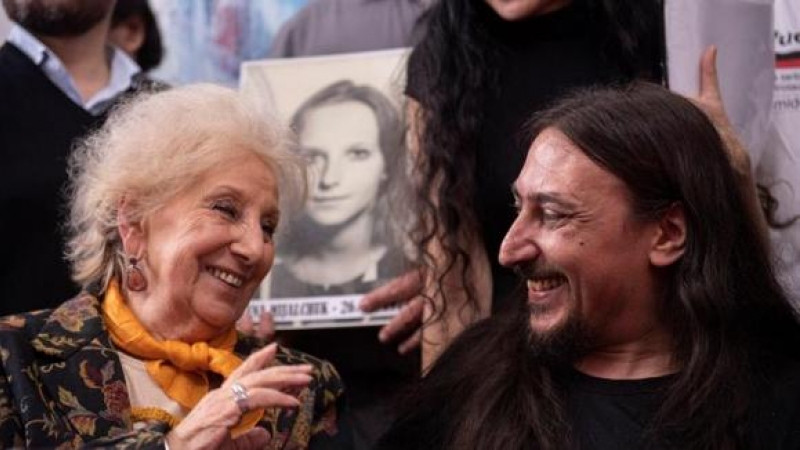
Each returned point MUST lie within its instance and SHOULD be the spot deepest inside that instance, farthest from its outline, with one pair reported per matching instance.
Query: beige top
(143, 390)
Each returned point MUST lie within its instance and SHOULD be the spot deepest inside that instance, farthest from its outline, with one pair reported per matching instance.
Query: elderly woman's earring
(134, 278)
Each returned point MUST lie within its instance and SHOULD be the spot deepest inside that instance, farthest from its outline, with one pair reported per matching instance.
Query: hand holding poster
(742, 32)
(761, 93)
(345, 241)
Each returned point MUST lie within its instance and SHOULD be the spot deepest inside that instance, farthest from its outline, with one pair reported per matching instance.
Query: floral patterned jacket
(62, 385)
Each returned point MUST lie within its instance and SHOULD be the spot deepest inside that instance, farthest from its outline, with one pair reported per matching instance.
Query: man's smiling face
(581, 251)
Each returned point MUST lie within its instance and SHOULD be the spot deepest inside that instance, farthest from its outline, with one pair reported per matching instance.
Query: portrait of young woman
(344, 241)
(347, 237)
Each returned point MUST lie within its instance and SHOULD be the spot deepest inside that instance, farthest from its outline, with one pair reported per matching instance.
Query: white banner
(742, 32)
(319, 312)
(779, 169)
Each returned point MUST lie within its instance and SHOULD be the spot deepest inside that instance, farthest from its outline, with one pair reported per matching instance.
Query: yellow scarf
(177, 367)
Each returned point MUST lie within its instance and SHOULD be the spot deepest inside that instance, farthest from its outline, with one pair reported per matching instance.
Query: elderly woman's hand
(209, 423)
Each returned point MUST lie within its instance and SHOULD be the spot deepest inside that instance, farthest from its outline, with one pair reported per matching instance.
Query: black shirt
(615, 414)
(39, 125)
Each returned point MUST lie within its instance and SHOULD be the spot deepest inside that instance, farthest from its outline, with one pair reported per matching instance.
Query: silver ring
(240, 396)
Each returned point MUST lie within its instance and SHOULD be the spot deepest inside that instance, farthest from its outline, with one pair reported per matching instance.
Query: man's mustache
(537, 269)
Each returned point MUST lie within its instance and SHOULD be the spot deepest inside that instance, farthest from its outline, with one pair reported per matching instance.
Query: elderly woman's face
(347, 166)
(208, 249)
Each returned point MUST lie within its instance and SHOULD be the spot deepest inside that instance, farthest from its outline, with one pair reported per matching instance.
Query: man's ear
(669, 242)
(131, 231)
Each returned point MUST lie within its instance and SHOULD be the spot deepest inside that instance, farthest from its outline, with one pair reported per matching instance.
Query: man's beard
(58, 18)
(560, 346)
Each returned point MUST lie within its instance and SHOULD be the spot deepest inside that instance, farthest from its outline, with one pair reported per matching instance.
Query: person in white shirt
(58, 78)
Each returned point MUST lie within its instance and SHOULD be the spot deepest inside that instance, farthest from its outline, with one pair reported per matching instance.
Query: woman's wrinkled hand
(406, 324)
(209, 423)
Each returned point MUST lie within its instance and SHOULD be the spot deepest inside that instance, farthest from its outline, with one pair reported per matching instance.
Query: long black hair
(728, 316)
(456, 60)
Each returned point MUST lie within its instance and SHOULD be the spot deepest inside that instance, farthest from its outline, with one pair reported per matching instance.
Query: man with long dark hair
(481, 68)
(650, 316)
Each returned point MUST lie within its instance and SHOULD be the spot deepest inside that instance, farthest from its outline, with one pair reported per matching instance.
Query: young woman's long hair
(730, 321)
(456, 66)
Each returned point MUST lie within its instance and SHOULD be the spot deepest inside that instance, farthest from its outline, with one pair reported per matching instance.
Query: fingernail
(383, 336)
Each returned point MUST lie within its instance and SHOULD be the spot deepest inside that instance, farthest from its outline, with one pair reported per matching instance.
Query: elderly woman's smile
(207, 250)
(227, 277)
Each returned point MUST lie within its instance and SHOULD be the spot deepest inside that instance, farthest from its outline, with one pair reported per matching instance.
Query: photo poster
(346, 112)
(743, 33)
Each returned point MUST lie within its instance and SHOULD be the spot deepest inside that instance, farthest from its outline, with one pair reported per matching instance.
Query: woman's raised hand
(252, 385)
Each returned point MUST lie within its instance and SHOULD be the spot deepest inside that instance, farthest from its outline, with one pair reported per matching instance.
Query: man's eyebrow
(543, 198)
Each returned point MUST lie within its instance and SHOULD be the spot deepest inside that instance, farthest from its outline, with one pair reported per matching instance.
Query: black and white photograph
(347, 238)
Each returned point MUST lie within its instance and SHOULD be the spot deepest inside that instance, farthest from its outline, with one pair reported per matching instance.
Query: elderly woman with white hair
(173, 207)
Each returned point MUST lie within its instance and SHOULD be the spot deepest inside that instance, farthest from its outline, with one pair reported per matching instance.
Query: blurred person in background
(135, 30)
(58, 78)
(328, 27)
